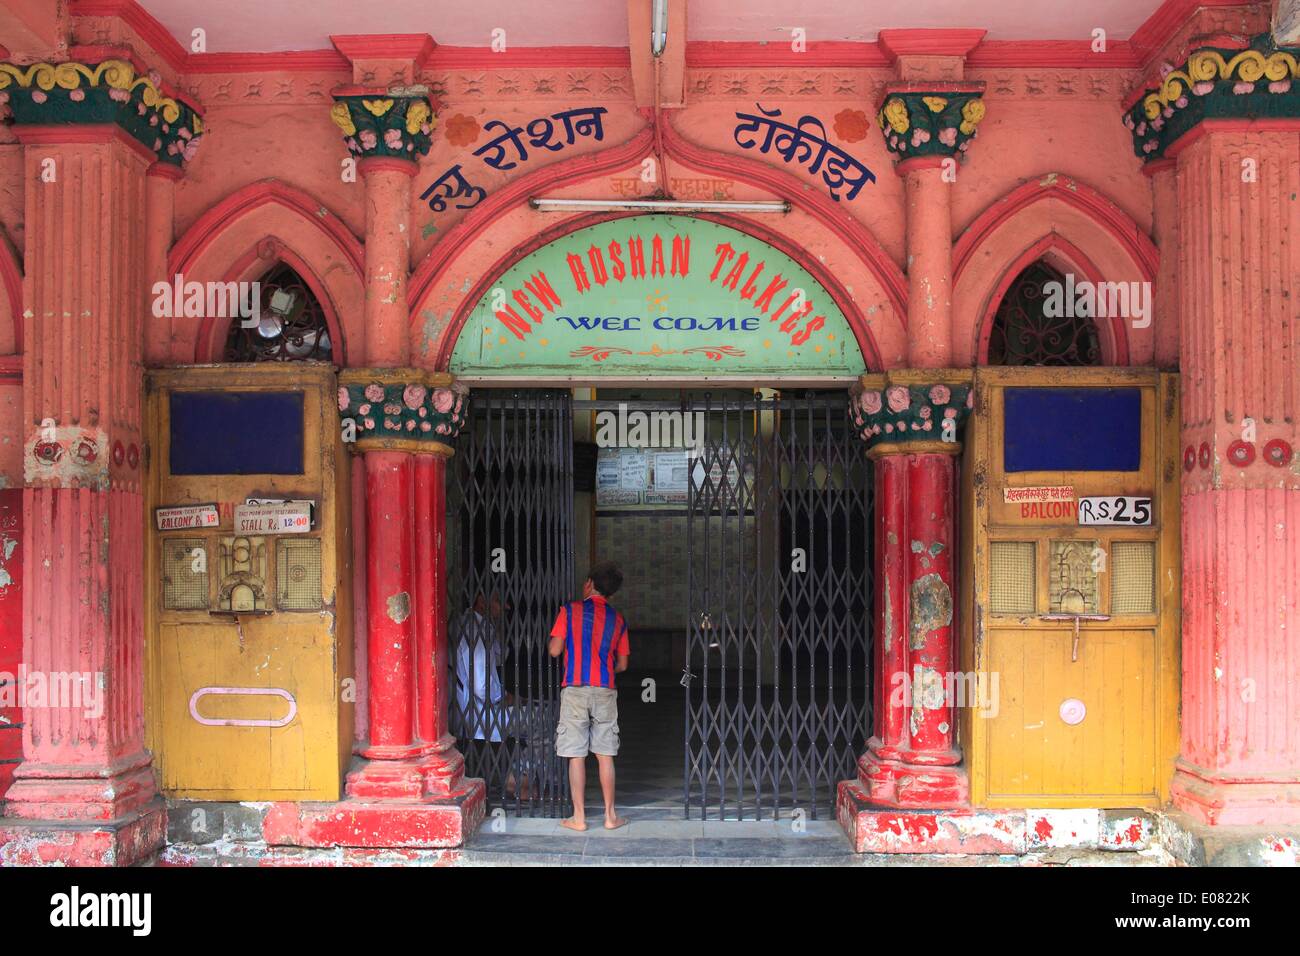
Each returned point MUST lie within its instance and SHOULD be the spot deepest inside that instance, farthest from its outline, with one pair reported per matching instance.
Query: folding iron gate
(511, 513)
(778, 533)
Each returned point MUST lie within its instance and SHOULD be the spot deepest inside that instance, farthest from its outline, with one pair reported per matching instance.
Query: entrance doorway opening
(741, 521)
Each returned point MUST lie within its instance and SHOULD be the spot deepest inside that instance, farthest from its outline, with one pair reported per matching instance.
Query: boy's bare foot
(613, 823)
(574, 824)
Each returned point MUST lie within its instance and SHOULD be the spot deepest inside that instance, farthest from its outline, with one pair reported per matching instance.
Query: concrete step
(657, 839)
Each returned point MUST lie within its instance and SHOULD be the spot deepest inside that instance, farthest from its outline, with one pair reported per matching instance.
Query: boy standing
(592, 636)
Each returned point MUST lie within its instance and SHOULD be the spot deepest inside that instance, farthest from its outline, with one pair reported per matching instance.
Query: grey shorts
(588, 722)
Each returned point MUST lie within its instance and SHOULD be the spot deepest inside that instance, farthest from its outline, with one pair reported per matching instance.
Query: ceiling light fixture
(658, 27)
(656, 205)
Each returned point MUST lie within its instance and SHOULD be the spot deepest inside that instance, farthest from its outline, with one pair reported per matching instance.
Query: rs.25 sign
(1117, 509)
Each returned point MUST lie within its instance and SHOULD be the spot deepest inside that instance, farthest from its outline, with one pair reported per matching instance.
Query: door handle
(1076, 618)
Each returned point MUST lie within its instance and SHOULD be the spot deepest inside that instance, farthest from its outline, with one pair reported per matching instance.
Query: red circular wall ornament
(86, 451)
(1205, 454)
(133, 455)
(47, 452)
(119, 453)
(1189, 458)
(1241, 453)
(1277, 453)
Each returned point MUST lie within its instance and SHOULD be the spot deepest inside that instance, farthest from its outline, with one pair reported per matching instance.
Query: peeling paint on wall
(889, 620)
(430, 330)
(399, 607)
(927, 694)
(7, 547)
(931, 608)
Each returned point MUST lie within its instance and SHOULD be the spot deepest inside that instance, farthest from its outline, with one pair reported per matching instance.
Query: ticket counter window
(1071, 532)
(249, 615)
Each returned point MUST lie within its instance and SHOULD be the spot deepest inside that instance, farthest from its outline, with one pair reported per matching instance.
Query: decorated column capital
(905, 411)
(934, 120)
(396, 123)
(402, 409)
(109, 92)
(1260, 82)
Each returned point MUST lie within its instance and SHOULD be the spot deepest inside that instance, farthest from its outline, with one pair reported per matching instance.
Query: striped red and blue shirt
(594, 636)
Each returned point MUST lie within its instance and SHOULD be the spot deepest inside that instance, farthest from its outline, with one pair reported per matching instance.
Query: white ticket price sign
(187, 516)
(290, 517)
(1117, 509)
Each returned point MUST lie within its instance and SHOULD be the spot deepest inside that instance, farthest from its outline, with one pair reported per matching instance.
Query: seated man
(483, 708)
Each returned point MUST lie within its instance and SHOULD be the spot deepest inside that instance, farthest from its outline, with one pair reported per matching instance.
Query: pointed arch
(242, 238)
(1078, 230)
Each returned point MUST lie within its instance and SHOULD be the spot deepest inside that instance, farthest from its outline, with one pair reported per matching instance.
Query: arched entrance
(693, 431)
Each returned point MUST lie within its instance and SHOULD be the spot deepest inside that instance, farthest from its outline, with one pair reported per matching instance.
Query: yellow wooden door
(250, 656)
(1070, 532)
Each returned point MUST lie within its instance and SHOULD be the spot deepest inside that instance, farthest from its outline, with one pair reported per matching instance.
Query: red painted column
(1239, 257)
(411, 790)
(444, 768)
(912, 758)
(932, 652)
(428, 524)
(84, 793)
(390, 597)
(891, 583)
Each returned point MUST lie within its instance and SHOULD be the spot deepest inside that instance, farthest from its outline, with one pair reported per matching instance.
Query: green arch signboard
(654, 295)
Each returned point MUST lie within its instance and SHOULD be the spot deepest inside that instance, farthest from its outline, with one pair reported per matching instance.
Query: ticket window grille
(297, 574)
(1024, 333)
(185, 574)
(1133, 577)
(1012, 577)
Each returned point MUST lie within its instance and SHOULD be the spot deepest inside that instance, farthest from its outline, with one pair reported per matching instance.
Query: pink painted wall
(1040, 123)
(1241, 602)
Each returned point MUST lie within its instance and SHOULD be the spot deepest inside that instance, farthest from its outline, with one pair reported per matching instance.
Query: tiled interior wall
(651, 550)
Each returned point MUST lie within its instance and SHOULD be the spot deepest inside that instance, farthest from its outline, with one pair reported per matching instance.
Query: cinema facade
(987, 542)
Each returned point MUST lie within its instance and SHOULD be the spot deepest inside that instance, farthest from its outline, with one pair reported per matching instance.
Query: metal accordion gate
(510, 518)
(778, 643)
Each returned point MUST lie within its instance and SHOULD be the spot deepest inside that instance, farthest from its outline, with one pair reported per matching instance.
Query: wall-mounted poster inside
(639, 477)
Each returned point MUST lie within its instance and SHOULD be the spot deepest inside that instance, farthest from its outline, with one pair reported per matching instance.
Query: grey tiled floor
(655, 836)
